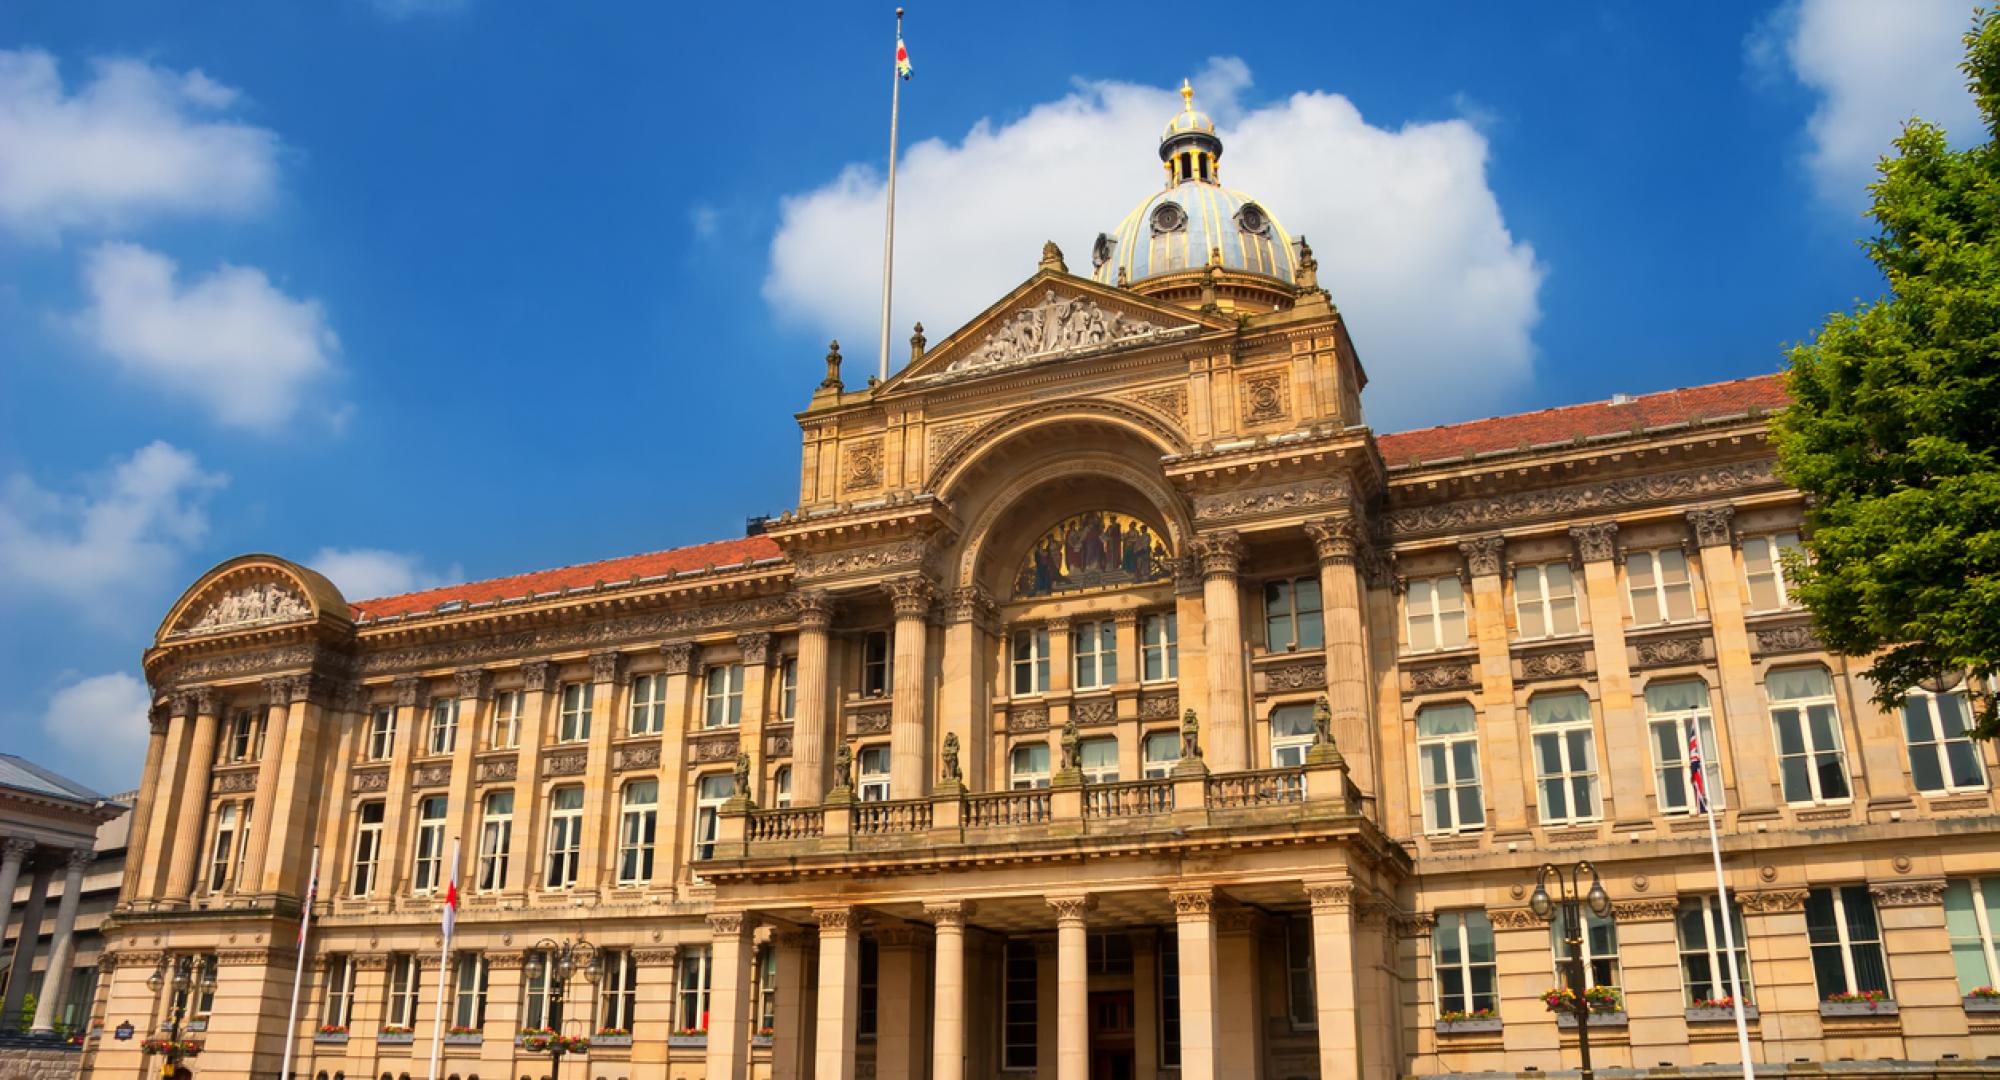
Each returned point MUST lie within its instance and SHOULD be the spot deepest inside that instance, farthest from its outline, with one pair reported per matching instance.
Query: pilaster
(909, 727)
(1221, 557)
(1347, 683)
(810, 734)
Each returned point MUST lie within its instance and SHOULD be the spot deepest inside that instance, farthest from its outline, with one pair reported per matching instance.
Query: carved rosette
(472, 682)
(1192, 902)
(679, 655)
(1596, 541)
(756, 647)
(1221, 553)
(1069, 909)
(1908, 893)
(1711, 525)
(814, 609)
(1484, 555)
(1335, 539)
(910, 596)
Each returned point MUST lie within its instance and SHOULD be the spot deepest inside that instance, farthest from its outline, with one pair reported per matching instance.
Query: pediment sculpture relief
(1057, 326)
(263, 602)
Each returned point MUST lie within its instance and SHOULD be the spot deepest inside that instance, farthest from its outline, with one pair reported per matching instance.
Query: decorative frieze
(872, 722)
(261, 604)
(705, 749)
(1452, 675)
(1772, 900)
(1503, 510)
(1681, 649)
(565, 763)
(1790, 638)
(1271, 499)
(235, 781)
(1057, 326)
(1558, 664)
(1711, 525)
(1028, 718)
(236, 665)
(1596, 541)
(1514, 918)
(645, 755)
(434, 775)
(1163, 705)
(1096, 711)
(366, 781)
(1299, 675)
(778, 744)
(496, 769)
(600, 632)
(1645, 910)
(895, 556)
(1908, 893)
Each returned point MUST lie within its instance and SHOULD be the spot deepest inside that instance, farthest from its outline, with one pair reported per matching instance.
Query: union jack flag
(1695, 778)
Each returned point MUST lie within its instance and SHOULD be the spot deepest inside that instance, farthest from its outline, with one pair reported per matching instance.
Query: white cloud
(231, 342)
(1441, 298)
(119, 537)
(101, 721)
(1875, 66)
(133, 142)
(369, 573)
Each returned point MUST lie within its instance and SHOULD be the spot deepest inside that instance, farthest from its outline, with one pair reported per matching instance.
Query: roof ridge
(546, 570)
(1598, 403)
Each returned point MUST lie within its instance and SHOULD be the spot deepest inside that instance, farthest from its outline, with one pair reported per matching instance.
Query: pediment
(1051, 318)
(252, 593)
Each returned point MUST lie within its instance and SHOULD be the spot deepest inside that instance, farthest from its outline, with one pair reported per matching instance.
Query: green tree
(1894, 427)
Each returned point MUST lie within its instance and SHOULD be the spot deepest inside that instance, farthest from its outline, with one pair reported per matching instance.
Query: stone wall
(38, 1059)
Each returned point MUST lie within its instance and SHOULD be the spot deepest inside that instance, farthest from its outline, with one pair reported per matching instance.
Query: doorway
(1111, 1035)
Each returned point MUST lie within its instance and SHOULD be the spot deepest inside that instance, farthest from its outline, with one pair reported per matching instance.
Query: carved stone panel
(1096, 711)
(1299, 675)
(1324, 492)
(365, 781)
(1266, 397)
(1584, 498)
(257, 604)
(1451, 675)
(1795, 637)
(1164, 705)
(1558, 664)
(1028, 718)
(710, 748)
(1680, 649)
(1057, 326)
(565, 763)
(435, 775)
(644, 755)
(872, 722)
(497, 769)
(861, 465)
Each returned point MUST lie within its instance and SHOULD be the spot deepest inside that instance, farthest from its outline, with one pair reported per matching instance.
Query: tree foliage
(1894, 426)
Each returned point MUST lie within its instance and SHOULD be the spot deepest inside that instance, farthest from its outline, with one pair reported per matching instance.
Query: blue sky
(417, 290)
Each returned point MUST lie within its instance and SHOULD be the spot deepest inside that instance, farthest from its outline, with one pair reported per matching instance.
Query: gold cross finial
(1187, 95)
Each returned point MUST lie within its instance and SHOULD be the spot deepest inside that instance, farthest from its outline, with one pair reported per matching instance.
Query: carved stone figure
(951, 770)
(1322, 722)
(1072, 746)
(843, 768)
(1190, 736)
(263, 602)
(1056, 325)
(743, 774)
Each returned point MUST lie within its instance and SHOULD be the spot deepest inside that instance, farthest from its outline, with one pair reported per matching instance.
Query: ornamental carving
(813, 608)
(277, 691)
(778, 745)
(1450, 676)
(310, 687)
(1908, 893)
(472, 682)
(944, 437)
(863, 560)
(1596, 541)
(1554, 665)
(642, 756)
(872, 722)
(537, 676)
(1170, 400)
(679, 656)
(837, 919)
(1221, 553)
(1333, 898)
(1192, 901)
(756, 646)
(604, 666)
(971, 604)
(1336, 539)
(1798, 637)
(1100, 711)
(259, 604)
(1305, 675)
(1513, 918)
(369, 780)
(1069, 908)
(1163, 706)
(240, 664)
(438, 775)
(726, 924)
(1644, 910)
(664, 955)
(1773, 900)
(910, 596)
(634, 628)
(566, 763)
(500, 769)
(712, 748)
(1058, 326)
(1711, 524)
(205, 701)
(1028, 718)
(1672, 650)
(410, 692)
(948, 914)
(1483, 555)
(862, 465)
(1267, 397)
(230, 783)
(1271, 499)
(1584, 498)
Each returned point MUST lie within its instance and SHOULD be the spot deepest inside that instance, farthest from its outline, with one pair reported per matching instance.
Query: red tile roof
(654, 564)
(1696, 403)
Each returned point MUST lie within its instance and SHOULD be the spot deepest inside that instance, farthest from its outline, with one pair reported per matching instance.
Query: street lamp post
(188, 978)
(559, 961)
(1570, 896)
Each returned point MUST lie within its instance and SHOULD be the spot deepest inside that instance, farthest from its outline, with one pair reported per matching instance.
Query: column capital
(971, 604)
(183, 702)
(17, 849)
(1596, 541)
(1484, 555)
(604, 666)
(1070, 909)
(409, 691)
(537, 675)
(949, 912)
(278, 690)
(814, 609)
(910, 595)
(205, 700)
(78, 859)
(1712, 525)
(1125, 619)
(1336, 539)
(726, 923)
(472, 682)
(756, 646)
(311, 687)
(1221, 553)
(1330, 896)
(680, 656)
(835, 919)
(1057, 624)
(1187, 575)
(1190, 902)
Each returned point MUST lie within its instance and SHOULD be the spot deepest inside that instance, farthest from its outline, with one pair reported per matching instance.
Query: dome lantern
(1189, 146)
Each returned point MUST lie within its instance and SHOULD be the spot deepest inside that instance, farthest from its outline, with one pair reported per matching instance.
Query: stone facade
(870, 796)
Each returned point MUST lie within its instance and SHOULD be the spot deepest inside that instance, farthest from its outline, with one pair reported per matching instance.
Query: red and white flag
(1695, 778)
(451, 904)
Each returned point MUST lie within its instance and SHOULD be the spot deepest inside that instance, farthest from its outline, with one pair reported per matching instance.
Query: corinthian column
(277, 714)
(12, 854)
(1221, 557)
(1346, 645)
(193, 799)
(62, 946)
(909, 727)
(809, 733)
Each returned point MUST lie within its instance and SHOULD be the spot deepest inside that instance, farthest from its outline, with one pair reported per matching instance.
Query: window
(1170, 999)
(1162, 751)
(574, 725)
(1096, 647)
(381, 735)
(649, 705)
(724, 696)
(367, 849)
(1971, 910)
(1807, 724)
(1448, 758)
(619, 992)
(1545, 600)
(767, 988)
(1099, 759)
(1846, 941)
(241, 744)
(1299, 995)
(565, 837)
(637, 824)
(444, 725)
(1031, 662)
(339, 995)
(469, 1002)
(405, 980)
(1108, 954)
(1705, 950)
(535, 989)
(872, 771)
(1159, 648)
(1943, 756)
(1462, 957)
(1291, 735)
(1018, 1006)
(1764, 570)
(868, 989)
(1599, 946)
(711, 792)
(223, 846)
(503, 732)
(1291, 615)
(496, 840)
(1028, 766)
(875, 663)
(1658, 584)
(1435, 608)
(1673, 709)
(781, 787)
(788, 688)
(691, 1011)
(427, 874)
(1565, 757)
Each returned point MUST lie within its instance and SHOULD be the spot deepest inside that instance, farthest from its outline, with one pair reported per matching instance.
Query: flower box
(396, 1038)
(330, 1038)
(610, 1040)
(464, 1038)
(1469, 1026)
(1982, 1003)
(1719, 1014)
(688, 1040)
(1567, 1021)
(1851, 1009)
(760, 1041)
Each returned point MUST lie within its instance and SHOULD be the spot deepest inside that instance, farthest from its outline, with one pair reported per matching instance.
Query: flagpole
(1728, 927)
(889, 221)
(299, 966)
(444, 969)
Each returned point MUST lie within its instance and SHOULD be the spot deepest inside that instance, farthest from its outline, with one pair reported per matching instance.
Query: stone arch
(253, 592)
(1151, 487)
(1145, 424)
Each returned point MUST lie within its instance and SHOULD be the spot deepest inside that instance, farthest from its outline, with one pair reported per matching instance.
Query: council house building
(1114, 703)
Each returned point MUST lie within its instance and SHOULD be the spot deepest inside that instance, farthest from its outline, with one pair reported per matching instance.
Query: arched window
(1448, 767)
(1675, 709)
(1812, 759)
(1565, 757)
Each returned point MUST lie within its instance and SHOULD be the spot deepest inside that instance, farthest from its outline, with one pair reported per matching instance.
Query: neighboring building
(1114, 703)
(62, 857)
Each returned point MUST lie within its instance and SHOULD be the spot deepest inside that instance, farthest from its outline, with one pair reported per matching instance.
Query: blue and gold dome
(1195, 221)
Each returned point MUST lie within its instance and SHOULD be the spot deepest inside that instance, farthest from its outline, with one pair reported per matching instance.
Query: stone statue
(1190, 737)
(743, 775)
(843, 767)
(951, 771)
(1072, 753)
(1322, 722)
(263, 602)
(1056, 325)
(832, 380)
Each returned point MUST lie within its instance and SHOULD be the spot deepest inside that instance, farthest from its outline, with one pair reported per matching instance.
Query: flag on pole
(451, 902)
(902, 57)
(1695, 779)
